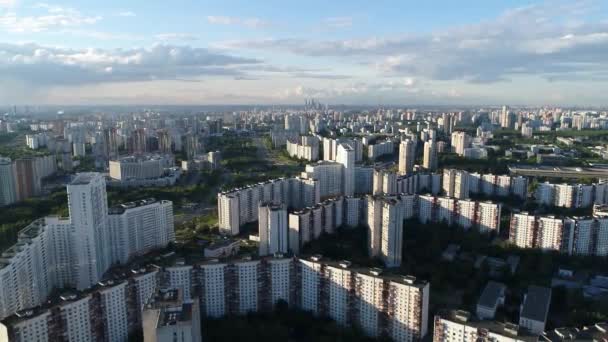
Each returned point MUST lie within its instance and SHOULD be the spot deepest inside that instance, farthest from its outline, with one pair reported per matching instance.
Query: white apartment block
(483, 216)
(247, 273)
(140, 167)
(571, 195)
(460, 141)
(498, 185)
(392, 233)
(346, 157)
(309, 223)
(107, 312)
(574, 236)
(407, 156)
(179, 277)
(213, 289)
(329, 175)
(456, 183)
(386, 182)
(88, 204)
(273, 229)
(380, 149)
(458, 326)
(392, 305)
(330, 148)
(385, 228)
(115, 316)
(306, 148)
(139, 227)
(240, 206)
(430, 160)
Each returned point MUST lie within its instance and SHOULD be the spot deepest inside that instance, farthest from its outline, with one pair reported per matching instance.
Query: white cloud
(247, 22)
(512, 44)
(56, 17)
(41, 65)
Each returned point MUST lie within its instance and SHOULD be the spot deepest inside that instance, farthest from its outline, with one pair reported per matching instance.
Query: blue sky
(351, 52)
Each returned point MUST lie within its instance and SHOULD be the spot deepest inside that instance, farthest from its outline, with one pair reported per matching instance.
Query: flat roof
(84, 178)
(505, 329)
(536, 304)
(491, 293)
(121, 208)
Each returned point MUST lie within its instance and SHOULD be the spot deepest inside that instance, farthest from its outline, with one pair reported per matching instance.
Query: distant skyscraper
(164, 141)
(111, 143)
(193, 146)
(430, 155)
(506, 118)
(407, 156)
(138, 142)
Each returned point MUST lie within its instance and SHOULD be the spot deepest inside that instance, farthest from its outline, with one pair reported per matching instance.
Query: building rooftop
(491, 294)
(510, 330)
(536, 303)
(84, 178)
(121, 208)
(597, 332)
(175, 315)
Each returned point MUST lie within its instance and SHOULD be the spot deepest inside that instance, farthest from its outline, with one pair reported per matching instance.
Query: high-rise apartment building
(26, 183)
(346, 157)
(88, 205)
(397, 307)
(430, 161)
(574, 236)
(460, 141)
(239, 206)
(75, 252)
(8, 192)
(136, 228)
(273, 229)
(385, 222)
(407, 156)
(456, 183)
(110, 311)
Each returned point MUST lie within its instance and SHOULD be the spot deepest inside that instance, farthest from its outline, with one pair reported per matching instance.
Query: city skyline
(521, 52)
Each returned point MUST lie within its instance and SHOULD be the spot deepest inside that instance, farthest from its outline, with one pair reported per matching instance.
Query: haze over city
(277, 52)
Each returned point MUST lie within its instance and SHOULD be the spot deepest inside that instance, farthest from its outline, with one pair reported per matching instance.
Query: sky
(473, 52)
